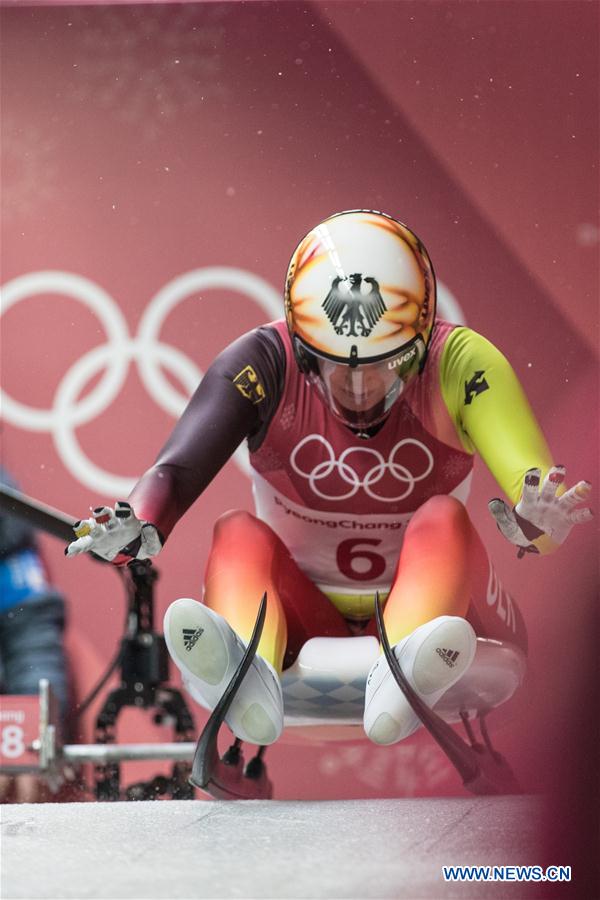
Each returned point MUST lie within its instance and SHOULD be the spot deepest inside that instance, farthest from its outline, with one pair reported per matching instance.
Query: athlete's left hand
(540, 512)
(115, 535)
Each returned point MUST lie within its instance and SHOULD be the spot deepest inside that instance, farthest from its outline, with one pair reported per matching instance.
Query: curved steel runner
(226, 778)
(482, 769)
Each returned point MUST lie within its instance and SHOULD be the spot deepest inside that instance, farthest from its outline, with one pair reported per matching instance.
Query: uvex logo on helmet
(400, 361)
(360, 287)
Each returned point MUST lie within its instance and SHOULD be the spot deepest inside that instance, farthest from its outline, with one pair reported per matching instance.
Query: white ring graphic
(115, 326)
(115, 356)
(349, 475)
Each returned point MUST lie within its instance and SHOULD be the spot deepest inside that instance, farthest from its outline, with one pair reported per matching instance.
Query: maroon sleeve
(236, 399)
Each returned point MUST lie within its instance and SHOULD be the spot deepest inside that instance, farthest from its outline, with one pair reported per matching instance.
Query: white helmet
(360, 305)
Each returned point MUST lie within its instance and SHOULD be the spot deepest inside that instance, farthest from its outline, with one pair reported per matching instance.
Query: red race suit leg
(246, 559)
(444, 570)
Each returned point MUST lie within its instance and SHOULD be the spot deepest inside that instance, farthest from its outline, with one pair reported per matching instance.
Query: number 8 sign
(19, 728)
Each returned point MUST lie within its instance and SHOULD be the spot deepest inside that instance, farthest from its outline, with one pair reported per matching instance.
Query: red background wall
(144, 142)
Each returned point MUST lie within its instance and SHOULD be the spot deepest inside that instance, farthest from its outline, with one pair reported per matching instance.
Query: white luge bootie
(433, 658)
(207, 651)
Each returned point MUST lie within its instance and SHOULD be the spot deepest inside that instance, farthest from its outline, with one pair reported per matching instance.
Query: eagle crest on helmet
(351, 312)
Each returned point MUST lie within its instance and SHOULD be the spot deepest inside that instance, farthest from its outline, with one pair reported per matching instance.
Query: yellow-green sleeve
(490, 411)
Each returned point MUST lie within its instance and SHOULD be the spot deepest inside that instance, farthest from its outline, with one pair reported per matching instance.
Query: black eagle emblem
(353, 313)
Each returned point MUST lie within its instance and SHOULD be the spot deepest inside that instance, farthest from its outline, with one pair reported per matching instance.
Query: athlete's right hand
(115, 535)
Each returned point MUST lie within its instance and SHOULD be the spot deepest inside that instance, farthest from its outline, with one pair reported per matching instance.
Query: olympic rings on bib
(351, 477)
(113, 359)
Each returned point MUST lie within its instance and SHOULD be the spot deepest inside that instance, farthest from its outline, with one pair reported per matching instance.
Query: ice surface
(268, 849)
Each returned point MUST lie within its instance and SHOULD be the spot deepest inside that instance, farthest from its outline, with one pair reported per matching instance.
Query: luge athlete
(362, 413)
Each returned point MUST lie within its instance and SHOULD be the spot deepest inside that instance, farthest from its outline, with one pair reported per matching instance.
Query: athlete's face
(359, 389)
(360, 396)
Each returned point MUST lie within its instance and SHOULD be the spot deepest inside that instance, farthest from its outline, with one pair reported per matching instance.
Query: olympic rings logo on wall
(351, 477)
(113, 358)
(150, 355)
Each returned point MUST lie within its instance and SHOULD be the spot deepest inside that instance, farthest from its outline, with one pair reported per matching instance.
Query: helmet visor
(361, 396)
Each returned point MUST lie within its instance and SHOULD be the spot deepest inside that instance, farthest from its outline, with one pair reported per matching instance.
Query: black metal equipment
(144, 666)
(143, 661)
